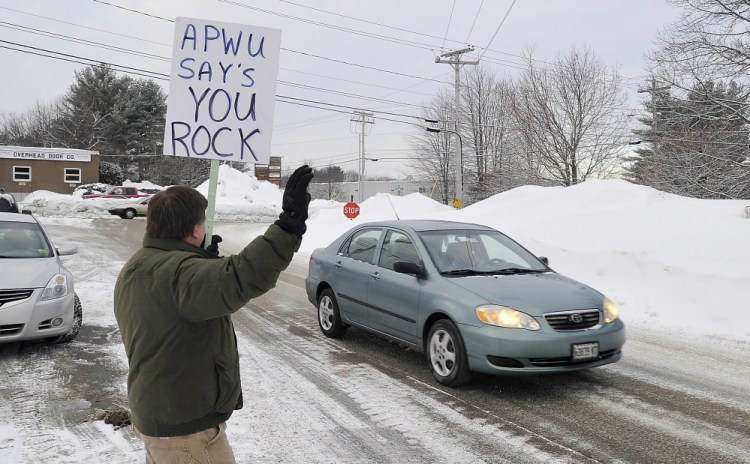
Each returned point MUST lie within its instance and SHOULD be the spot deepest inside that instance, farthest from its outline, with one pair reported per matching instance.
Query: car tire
(71, 334)
(329, 318)
(128, 214)
(446, 354)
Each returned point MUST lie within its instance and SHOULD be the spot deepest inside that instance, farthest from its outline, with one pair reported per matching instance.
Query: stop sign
(351, 210)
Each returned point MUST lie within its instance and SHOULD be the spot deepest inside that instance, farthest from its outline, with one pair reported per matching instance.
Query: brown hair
(174, 212)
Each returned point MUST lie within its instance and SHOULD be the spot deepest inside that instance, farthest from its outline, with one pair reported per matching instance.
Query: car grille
(6, 296)
(567, 360)
(10, 329)
(573, 320)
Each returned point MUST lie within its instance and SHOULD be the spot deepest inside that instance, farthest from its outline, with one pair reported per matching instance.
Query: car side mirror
(544, 260)
(409, 267)
(66, 250)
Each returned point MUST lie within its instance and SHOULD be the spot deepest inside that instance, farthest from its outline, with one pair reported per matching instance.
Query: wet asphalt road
(669, 400)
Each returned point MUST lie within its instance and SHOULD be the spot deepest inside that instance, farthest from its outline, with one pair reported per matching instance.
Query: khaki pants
(206, 447)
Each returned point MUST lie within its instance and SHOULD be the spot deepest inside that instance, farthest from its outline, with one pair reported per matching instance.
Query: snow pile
(241, 197)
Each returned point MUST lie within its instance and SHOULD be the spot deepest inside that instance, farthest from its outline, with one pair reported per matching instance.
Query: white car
(131, 209)
(37, 298)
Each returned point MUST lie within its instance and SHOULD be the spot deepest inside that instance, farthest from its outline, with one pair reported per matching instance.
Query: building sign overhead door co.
(48, 154)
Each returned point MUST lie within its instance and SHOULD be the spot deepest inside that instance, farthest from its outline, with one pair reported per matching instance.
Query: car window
(476, 250)
(504, 252)
(397, 246)
(23, 240)
(361, 245)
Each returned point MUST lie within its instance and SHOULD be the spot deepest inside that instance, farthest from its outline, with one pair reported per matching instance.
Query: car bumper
(311, 286)
(31, 318)
(498, 350)
(115, 212)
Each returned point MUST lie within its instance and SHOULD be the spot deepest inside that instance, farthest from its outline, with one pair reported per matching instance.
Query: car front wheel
(71, 334)
(128, 214)
(446, 354)
(329, 318)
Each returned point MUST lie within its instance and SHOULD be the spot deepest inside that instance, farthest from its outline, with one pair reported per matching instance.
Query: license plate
(585, 351)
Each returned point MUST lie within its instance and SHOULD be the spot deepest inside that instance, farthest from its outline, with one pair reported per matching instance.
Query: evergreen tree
(698, 145)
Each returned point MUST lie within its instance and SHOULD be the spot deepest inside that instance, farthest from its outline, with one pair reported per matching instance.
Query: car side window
(361, 246)
(397, 246)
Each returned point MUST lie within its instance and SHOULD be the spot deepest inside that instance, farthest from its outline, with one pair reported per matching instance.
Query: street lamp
(457, 202)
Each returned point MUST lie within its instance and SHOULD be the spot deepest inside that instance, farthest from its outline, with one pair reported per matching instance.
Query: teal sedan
(467, 295)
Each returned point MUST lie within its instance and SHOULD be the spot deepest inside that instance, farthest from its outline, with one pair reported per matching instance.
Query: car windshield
(472, 252)
(23, 240)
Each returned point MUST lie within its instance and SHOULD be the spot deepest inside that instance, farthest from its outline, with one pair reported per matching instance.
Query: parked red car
(119, 192)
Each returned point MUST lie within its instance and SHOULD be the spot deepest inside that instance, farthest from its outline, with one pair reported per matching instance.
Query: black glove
(213, 248)
(294, 204)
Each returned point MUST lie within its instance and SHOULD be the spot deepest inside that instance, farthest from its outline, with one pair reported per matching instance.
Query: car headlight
(502, 316)
(610, 311)
(57, 287)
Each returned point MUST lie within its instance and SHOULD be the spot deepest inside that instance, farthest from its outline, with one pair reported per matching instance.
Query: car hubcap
(442, 353)
(325, 313)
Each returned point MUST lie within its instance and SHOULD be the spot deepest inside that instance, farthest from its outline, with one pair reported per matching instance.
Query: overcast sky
(410, 34)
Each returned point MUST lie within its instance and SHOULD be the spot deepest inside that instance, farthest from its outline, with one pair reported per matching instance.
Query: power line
(155, 75)
(164, 58)
(90, 43)
(128, 9)
(497, 30)
(357, 108)
(347, 94)
(356, 82)
(333, 26)
(373, 68)
(90, 62)
(82, 26)
(447, 28)
(318, 23)
(468, 36)
(401, 29)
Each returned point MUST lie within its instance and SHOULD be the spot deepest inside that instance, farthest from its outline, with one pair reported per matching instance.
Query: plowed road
(361, 399)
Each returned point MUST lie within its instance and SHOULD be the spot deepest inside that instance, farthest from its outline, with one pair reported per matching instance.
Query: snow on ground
(670, 263)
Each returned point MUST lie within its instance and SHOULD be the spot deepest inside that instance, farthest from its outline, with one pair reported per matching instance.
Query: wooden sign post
(221, 95)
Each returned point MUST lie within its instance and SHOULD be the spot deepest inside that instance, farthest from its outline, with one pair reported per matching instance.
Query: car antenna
(394, 209)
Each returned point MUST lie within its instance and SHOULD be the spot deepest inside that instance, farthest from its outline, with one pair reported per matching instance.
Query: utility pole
(453, 58)
(364, 118)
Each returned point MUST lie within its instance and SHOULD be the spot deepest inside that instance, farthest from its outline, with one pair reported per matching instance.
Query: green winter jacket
(173, 303)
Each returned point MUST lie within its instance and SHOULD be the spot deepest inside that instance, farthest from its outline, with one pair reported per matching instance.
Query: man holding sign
(173, 299)
(173, 303)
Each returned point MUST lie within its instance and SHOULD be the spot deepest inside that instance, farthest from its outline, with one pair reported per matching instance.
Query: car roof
(17, 217)
(421, 225)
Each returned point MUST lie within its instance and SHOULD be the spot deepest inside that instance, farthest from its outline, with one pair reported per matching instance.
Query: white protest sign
(221, 91)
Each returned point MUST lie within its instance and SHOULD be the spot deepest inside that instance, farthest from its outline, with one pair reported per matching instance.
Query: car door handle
(337, 264)
(375, 275)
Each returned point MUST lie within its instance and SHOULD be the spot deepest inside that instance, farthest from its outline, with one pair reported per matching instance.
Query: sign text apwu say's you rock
(222, 89)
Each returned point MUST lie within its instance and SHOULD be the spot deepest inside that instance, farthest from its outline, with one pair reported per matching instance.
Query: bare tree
(488, 131)
(434, 162)
(570, 115)
(35, 127)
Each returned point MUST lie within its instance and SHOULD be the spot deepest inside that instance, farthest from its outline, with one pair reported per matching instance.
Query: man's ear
(196, 236)
(198, 232)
